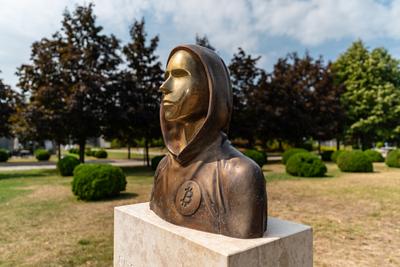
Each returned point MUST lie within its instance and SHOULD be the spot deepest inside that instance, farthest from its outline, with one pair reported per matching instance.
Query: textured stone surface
(141, 238)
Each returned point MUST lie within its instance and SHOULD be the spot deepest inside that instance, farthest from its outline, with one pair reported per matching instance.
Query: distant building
(7, 143)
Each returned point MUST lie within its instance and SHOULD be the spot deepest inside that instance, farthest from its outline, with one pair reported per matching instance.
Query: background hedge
(326, 155)
(4, 155)
(305, 164)
(101, 154)
(336, 154)
(290, 152)
(42, 155)
(66, 165)
(97, 181)
(354, 161)
(258, 156)
(155, 161)
(393, 158)
(374, 155)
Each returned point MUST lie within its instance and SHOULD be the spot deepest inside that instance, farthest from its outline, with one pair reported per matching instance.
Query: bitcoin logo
(188, 198)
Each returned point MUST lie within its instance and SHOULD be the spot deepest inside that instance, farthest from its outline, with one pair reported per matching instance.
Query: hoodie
(209, 185)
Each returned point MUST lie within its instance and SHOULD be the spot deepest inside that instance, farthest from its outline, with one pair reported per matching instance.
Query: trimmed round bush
(97, 181)
(259, 157)
(393, 158)
(336, 154)
(42, 155)
(374, 155)
(89, 152)
(305, 164)
(155, 161)
(354, 161)
(66, 165)
(74, 150)
(101, 154)
(4, 155)
(326, 155)
(290, 152)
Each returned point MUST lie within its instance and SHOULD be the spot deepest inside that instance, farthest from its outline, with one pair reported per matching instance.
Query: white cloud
(227, 23)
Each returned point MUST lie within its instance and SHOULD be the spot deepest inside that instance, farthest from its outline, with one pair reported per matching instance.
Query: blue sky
(268, 28)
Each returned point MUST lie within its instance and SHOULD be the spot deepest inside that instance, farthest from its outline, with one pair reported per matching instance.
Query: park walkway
(23, 166)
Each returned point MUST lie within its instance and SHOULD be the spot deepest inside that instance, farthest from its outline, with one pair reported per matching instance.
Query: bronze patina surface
(203, 182)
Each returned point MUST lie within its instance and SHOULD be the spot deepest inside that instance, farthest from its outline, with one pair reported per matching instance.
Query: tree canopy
(372, 93)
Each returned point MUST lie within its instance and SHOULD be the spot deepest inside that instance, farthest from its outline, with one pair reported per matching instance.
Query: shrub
(89, 152)
(42, 155)
(393, 158)
(101, 154)
(66, 165)
(380, 144)
(305, 164)
(155, 161)
(374, 155)
(97, 181)
(326, 155)
(290, 152)
(4, 155)
(259, 157)
(336, 154)
(354, 161)
(74, 150)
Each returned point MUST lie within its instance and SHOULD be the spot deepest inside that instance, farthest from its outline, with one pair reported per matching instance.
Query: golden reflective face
(185, 90)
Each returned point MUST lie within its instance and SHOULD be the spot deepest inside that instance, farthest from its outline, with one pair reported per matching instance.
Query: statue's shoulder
(243, 170)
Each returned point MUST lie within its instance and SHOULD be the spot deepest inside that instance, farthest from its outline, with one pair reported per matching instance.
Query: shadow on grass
(27, 174)
(125, 195)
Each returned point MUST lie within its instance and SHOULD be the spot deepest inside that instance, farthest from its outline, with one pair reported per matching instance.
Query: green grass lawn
(354, 216)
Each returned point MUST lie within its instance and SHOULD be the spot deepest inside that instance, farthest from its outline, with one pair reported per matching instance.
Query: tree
(203, 41)
(246, 78)
(8, 102)
(44, 116)
(304, 99)
(140, 97)
(89, 64)
(372, 93)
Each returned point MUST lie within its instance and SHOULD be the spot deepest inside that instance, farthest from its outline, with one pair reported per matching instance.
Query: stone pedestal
(141, 238)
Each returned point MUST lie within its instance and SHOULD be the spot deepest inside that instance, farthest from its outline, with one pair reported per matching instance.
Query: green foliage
(74, 150)
(89, 152)
(305, 164)
(326, 155)
(155, 161)
(42, 155)
(259, 157)
(336, 154)
(97, 181)
(374, 155)
(8, 101)
(4, 155)
(393, 158)
(66, 165)
(354, 161)
(101, 154)
(290, 152)
(380, 144)
(372, 96)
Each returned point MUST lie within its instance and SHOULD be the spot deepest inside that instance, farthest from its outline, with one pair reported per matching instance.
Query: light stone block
(141, 238)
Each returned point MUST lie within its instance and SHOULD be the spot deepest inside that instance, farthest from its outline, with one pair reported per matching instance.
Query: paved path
(23, 166)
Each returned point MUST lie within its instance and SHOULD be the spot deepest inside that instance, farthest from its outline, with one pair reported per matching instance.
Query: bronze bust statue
(203, 182)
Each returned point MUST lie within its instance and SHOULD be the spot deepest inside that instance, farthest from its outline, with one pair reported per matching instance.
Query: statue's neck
(189, 130)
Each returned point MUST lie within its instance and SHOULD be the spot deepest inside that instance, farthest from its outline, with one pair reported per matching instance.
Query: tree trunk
(337, 144)
(146, 144)
(129, 152)
(280, 145)
(319, 147)
(82, 144)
